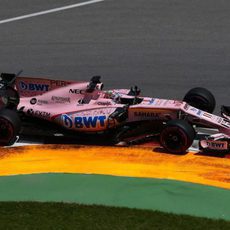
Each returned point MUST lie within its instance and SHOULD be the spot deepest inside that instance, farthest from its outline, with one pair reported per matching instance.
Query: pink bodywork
(68, 104)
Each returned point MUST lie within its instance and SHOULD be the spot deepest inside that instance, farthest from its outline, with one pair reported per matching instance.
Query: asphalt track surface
(165, 47)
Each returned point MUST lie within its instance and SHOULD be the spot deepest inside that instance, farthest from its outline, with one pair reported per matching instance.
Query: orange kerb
(119, 161)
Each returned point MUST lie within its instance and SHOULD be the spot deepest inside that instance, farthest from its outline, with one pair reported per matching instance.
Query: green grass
(32, 215)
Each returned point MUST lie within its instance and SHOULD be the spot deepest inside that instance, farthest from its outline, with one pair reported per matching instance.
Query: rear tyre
(201, 98)
(9, 127)
(177, 136)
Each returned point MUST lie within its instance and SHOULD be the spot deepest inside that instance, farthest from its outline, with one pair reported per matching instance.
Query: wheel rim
(174, 140)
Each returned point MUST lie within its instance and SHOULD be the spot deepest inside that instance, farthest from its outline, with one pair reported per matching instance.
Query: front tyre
(177, 136)
(9, 127)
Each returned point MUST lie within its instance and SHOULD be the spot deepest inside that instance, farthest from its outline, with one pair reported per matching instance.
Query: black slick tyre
(177, 136)
(10, 125)
(201, 98)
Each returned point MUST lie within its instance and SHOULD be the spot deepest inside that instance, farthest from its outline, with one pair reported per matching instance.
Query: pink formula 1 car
(82, 108)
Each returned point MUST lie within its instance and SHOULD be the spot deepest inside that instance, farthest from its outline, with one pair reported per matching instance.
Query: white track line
(50, 11)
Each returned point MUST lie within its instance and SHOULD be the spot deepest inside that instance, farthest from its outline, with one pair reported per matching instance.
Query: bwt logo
(83, 122)
(217, 145)
(33, 86)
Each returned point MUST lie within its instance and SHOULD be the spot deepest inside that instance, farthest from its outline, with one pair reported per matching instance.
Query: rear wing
(30, 86)
(33, 86)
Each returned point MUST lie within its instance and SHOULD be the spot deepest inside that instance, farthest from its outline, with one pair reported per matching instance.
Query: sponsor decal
(221, 145)
(60, 100)
(195, 110)
(219, 120)
(207, 115)
(41, 102)
(97, 112)
(33, 101)
(83, 122)
(177, 103)
(146, 114)
(186, 107)
(151, 101)
(104, 111)
(33, 87)
(199, 112)
(77, 91)
(158, 102)
(38, 113)
(59, 83)
(104, 103)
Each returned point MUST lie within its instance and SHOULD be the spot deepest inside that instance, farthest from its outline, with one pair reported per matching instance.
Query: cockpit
(129, 100)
